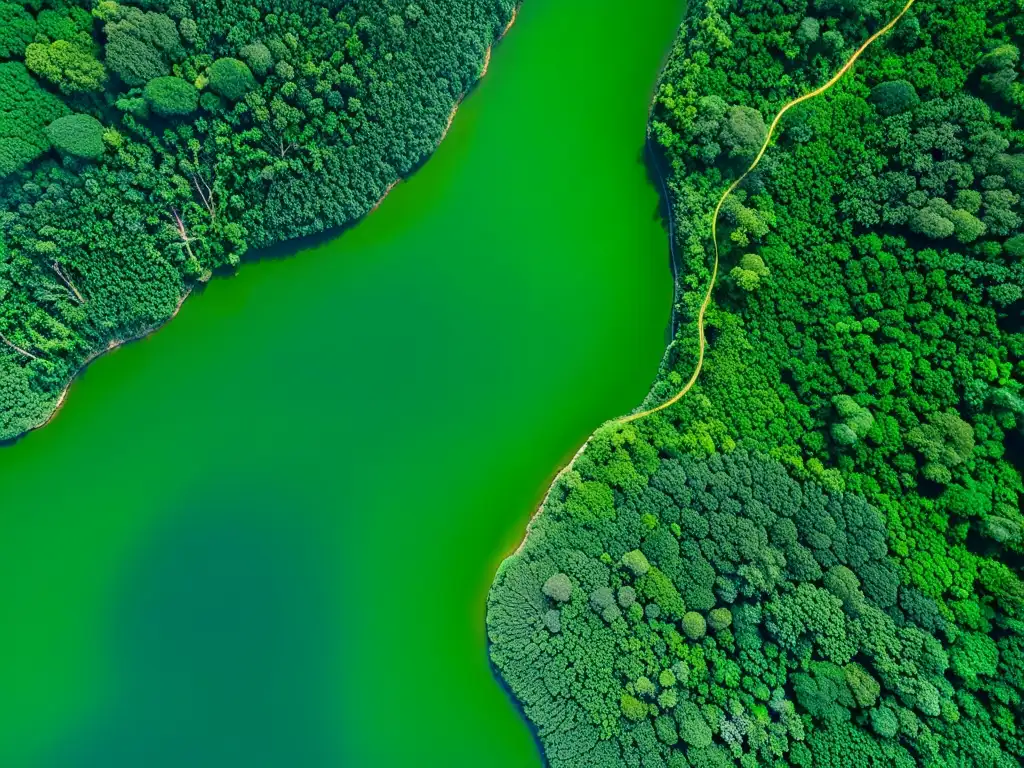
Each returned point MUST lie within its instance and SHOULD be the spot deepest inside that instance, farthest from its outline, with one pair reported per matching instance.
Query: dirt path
(714, 274)
(732, 188)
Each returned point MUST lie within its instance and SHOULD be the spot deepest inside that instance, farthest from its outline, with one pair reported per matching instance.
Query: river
(263, 536)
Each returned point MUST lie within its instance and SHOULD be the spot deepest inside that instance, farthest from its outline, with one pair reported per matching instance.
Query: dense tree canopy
(145, 144)
(828, 525)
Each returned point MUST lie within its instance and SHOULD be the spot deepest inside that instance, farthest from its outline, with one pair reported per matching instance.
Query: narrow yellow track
(732, 188)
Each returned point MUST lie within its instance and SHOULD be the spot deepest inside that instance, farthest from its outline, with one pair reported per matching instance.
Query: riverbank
(666, 203)
(111, 346)
(505, 31)
(117, 343)
(483, 73)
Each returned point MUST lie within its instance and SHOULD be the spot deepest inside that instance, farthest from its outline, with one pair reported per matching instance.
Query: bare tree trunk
(206, 194)
(67, 282)
(16, 348)
(183, 233)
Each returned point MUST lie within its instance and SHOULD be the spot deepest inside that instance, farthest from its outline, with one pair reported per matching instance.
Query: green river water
(263, 536)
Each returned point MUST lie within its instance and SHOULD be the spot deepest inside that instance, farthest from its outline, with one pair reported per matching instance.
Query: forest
(814, 558)
(147, 146)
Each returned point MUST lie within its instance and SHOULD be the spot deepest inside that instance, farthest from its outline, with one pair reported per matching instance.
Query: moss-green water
(263, 536)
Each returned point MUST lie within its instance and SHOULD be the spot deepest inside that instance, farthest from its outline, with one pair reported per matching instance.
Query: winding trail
(714, 274)
(732, 188)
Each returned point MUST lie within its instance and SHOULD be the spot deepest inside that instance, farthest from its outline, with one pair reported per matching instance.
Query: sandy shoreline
(455, 109)
(487, 55)
(115, 343)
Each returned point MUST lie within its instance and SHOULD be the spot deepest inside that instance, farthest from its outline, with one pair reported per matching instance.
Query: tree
(719, 619)
(603, 602)
(67, 65)
(974, 654)
(844, 584)
(884, 722)
(231, 79)
(17, 30)
(823, 692)
(894, 97)
(743, 131)
(632, 708)
(589, 501)
(558, 587)
(636, 561)
(553, 621)
(141, 46)
(932, 224)
(808, 31)
(749, 272)
(171, 97)
(665, 728)
(77, 136)
(945, 441)
(258, 57)
(966, 226)
(863, 686)
(25, 111)
(693, 729)
(694, 625)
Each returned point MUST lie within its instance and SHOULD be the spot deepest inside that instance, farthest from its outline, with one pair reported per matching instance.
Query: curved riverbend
(117, 343)
(245, 544)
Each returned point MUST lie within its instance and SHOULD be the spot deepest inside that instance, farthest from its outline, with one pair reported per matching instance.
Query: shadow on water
(518, 706)
(217, 633)
(656, 167)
